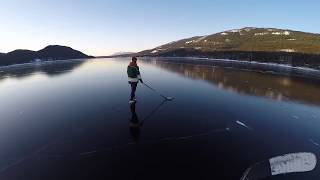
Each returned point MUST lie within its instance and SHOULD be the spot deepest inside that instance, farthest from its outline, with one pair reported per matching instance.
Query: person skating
(133, 78)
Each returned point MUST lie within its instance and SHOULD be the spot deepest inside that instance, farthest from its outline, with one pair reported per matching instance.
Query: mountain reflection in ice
(250, 83)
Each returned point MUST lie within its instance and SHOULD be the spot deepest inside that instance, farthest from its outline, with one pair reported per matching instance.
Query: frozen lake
(71, 120)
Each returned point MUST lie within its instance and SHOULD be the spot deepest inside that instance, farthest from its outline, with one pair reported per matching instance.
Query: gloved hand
(141, 80)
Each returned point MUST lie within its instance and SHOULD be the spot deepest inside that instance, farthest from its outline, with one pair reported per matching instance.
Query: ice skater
(133, 78)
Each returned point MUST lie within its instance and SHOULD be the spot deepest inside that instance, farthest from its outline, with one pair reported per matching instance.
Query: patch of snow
(291, 39)
(228, 40)
(154, 51)
(249, 29)
(188, 42)
(201, 38)
(158, 50)
(276, 33)
(261, 34)
(296, 162)
(172, 42)
(224, 34)
(235, 30)
(287, 50)
(198, 48)
(286, 33)
(205, 40)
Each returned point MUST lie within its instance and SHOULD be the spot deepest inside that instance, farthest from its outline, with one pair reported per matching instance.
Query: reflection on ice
(276, 87)
(48, 68)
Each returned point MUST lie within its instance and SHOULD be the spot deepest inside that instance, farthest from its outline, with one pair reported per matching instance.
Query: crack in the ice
(314, 142)
(118, 147)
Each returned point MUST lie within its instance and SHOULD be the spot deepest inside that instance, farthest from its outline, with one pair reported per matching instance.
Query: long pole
(155, 91)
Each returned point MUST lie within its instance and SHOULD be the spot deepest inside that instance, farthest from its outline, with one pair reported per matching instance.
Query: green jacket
(133, 73)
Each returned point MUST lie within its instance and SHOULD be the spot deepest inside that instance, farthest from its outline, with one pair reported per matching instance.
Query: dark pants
(133, 89)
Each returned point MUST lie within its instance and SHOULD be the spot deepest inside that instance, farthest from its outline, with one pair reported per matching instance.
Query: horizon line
(136, 51)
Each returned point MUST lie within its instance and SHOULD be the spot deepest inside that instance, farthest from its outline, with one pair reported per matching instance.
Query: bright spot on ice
(243, 125)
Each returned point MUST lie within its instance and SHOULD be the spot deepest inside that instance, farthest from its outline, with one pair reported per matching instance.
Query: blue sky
(102, 27)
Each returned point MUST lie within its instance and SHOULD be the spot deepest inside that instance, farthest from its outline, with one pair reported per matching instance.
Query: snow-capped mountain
(247, 39)
(253, 44)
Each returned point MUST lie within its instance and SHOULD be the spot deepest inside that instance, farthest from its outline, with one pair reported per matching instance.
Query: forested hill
(259, 44)
(52, 52)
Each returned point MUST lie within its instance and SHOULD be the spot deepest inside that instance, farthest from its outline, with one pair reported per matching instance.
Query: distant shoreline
(272, 68)
(28, 64)
(49, 53)
(255, 66)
